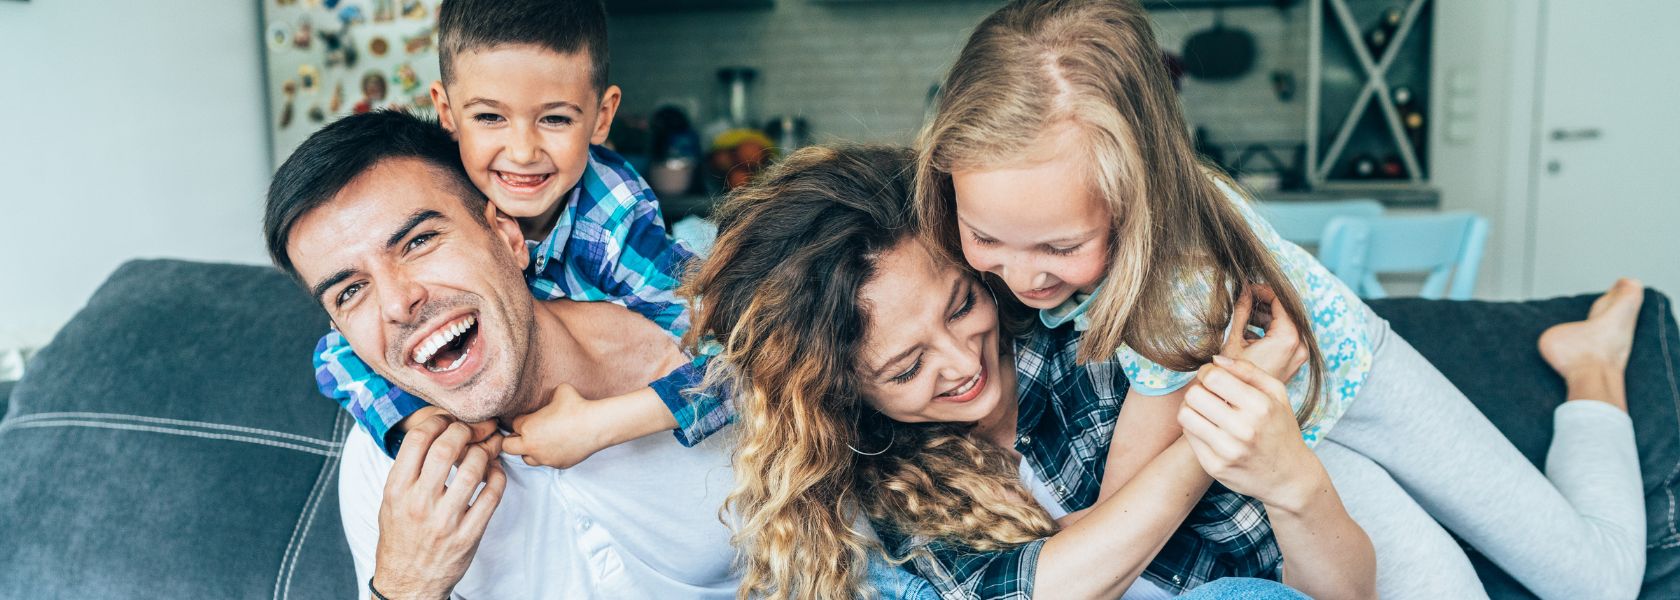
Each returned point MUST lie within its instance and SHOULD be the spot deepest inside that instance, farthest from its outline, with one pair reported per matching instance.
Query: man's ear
(440, 103)
(507, 232)
(604, 115)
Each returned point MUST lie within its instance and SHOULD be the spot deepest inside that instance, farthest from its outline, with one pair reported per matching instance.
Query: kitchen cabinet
(630, 7)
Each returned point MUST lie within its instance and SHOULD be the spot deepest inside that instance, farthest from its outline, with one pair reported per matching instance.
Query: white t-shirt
(638, 520)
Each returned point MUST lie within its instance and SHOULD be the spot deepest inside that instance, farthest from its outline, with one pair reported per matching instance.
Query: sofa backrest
(169, 444)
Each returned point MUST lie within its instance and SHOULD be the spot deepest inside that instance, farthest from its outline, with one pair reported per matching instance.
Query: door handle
(1576, 135)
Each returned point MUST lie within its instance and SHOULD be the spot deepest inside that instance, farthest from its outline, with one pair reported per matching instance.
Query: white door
(1607, 199)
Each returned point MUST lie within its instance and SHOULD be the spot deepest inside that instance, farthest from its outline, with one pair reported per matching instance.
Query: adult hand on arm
(429, 530)
(571, 428)
(1238, 421)
(1148, 424)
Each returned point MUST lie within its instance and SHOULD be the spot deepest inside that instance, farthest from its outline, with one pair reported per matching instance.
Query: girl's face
(1038, 226)
(931, 349)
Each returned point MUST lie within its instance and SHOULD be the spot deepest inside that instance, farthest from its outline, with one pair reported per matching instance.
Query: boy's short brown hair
(563, 26)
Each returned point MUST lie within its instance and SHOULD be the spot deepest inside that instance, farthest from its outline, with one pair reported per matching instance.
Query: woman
(875, 380)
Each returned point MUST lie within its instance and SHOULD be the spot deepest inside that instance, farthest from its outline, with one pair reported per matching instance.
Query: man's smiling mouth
(448, 347)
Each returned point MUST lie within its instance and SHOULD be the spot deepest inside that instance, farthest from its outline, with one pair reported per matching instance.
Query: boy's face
(525, 117)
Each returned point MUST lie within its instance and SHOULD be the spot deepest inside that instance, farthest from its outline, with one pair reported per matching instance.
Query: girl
(875, 381)
(1058, 163)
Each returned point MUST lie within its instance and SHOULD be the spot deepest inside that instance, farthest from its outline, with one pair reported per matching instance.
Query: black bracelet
(375, 591)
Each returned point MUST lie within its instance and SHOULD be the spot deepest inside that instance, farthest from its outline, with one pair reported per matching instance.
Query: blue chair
(1303, 222)
(1445, 246)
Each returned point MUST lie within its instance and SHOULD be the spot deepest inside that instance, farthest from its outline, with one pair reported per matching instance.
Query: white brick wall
(861, 72)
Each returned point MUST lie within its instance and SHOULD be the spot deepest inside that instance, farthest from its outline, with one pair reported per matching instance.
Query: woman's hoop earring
(875, 453)
(855, 429)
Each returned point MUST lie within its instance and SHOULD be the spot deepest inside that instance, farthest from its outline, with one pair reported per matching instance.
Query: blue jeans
(892, 582)
(1242, 588)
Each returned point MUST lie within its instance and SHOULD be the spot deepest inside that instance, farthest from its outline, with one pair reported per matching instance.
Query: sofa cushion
(1488, 349)
(169, 443)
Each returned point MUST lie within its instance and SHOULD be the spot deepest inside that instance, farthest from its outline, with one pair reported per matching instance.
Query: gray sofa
(169, 443)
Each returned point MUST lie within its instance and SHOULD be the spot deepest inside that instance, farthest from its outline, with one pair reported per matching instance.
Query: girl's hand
(1280, 352)
(1239, 424)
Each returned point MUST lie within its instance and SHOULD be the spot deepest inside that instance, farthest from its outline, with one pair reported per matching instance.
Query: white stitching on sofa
(306, 519)
(177, 422)
(42, 423)
(1664, 316)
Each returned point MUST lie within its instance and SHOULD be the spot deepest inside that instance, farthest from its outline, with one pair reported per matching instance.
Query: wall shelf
(1354, 122)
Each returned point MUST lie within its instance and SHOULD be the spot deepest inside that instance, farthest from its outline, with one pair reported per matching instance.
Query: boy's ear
(440, 103)
(507, 231)
(604, 116)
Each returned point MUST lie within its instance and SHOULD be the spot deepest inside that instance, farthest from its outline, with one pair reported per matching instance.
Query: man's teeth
(442, 338)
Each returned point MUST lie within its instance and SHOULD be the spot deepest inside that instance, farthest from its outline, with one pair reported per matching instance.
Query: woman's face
(930, 353)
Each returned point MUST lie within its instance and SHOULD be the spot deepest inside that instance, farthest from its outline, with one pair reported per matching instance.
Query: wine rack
(1367, 90)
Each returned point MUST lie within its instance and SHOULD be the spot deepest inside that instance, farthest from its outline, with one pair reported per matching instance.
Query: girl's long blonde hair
(780, 293)
(1094, 65)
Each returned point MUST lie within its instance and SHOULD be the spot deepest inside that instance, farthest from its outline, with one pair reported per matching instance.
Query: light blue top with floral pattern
(1339, 323)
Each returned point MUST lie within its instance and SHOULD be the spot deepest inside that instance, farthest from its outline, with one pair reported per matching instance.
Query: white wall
(1476, 101)
(127, 129)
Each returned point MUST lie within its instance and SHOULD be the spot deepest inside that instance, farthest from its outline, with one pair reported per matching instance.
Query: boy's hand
(560, 434)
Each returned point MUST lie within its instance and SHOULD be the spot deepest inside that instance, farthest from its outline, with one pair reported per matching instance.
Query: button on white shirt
(638, 520)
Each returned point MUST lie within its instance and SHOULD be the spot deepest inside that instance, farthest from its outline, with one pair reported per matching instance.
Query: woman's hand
(1238, 421)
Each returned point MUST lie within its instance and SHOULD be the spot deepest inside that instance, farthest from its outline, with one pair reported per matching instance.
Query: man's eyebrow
(414, 220)
(330, 281)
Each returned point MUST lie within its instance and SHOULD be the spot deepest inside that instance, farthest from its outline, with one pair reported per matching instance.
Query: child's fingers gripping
(515, 444)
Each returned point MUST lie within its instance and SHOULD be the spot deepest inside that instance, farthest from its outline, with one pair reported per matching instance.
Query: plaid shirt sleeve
(612, 245)
(958, 573)
(374, 402)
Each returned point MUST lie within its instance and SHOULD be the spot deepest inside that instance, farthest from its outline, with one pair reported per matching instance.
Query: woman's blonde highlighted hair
(1094, 65)
(780, 292)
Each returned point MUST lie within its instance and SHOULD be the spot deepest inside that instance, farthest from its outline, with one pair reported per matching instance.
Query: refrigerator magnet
(309, 77)
(378, 46)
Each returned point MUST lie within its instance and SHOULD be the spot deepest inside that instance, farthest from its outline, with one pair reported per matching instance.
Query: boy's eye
(908, 374)
(346, 294)
(487, 118)
(556, 120)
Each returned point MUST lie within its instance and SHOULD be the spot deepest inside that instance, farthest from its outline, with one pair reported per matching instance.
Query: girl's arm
(1101, 554)
(1237, 420)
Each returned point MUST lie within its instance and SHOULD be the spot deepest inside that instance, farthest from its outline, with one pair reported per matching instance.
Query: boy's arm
(378, 406)
(571, 428)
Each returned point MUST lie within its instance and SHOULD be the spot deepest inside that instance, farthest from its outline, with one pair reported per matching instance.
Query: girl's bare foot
(1592, 355)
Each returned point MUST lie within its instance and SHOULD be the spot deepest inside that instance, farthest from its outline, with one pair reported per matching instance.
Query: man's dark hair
(563, 26)
(334, 156)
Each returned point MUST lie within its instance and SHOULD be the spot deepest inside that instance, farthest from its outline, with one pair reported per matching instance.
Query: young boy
(525, 93)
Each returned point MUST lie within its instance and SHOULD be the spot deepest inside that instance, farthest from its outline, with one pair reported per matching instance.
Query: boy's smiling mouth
(521, 182)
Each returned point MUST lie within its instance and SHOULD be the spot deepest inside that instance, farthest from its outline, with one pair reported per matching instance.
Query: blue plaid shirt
(1066, 421)
(609, 244)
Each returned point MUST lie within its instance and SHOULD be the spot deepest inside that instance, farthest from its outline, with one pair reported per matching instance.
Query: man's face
(425, 294)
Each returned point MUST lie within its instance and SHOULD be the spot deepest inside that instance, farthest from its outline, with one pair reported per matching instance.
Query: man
(375, 216)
